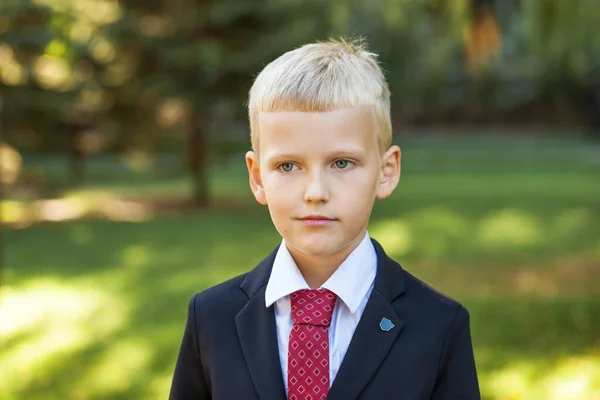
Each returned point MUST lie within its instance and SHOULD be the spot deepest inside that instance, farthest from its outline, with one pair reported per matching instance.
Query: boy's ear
(390, 172)
(255, 178)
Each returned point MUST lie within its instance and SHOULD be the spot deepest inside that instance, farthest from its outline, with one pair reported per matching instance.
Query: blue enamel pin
(386, 325)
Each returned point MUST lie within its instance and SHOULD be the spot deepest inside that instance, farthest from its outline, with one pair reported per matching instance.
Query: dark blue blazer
(229, 349)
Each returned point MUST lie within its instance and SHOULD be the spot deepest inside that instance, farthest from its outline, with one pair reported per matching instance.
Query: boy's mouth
(316, 220)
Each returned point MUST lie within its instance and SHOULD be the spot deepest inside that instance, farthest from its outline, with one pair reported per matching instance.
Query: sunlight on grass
(510, 228)
(440, 226)
(511, 383)
(117, 369)
(92, 198)
(394, 235)
(161, 386)
(109, 205)
(46, 302)
(61, 209)
(136, 256)
(47, 320)
(435, 232)
(573, 378)
(13, 211)
(437, 229)
(75, 205)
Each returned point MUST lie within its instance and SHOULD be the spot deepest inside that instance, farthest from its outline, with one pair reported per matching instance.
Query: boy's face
(319, 174)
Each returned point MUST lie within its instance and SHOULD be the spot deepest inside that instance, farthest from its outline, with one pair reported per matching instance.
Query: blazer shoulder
(432, 299)
(225, 298)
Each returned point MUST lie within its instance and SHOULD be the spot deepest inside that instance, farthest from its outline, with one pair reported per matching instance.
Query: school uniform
(390, 336)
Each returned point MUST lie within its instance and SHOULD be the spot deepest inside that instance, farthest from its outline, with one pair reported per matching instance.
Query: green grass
(94, 309)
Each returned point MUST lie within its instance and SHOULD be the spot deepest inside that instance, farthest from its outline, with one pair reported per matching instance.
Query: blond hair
(321, 77)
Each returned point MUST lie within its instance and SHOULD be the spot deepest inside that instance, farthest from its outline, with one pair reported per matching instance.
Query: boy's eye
(342, 164)
(287, 167)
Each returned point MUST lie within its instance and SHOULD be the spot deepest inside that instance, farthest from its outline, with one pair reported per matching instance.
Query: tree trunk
(197, 158)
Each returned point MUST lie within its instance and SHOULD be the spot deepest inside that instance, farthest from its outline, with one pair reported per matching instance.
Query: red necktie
(308, 351)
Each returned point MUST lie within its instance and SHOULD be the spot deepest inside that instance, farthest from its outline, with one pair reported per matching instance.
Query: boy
(326, 315)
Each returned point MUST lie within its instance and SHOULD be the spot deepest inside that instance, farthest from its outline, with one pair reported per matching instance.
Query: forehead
(297, 130)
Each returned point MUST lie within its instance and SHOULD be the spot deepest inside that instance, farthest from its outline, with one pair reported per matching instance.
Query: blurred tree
(175, 60)
(488, 55)
(481, 37)
(85, 75)
(419, 43)
(562, 41)
(46, 75)
(133, 71)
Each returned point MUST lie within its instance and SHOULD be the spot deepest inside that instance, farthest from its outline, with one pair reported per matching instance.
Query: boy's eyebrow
(349, 151)
(356, 152)
(275, 155)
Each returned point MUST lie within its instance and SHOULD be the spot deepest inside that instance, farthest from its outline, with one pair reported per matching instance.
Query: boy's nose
(316, 189)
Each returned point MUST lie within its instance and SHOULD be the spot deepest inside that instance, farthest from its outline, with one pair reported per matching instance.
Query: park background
(124, 191)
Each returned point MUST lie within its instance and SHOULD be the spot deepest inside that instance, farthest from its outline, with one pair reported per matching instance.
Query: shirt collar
(350, 282)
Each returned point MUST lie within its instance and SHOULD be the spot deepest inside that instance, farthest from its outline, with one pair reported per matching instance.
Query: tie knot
(313, 307)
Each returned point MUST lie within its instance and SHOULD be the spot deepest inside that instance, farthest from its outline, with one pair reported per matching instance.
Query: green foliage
(134, 71)
(550, 50)
(131, 72)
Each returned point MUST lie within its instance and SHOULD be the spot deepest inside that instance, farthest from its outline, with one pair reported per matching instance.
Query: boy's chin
(320, 248)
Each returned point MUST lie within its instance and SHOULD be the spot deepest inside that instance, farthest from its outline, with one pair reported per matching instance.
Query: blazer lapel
(371, 343)
(257, 333)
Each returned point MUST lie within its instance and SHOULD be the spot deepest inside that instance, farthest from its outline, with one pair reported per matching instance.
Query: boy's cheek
(279, 200)
(281, 186)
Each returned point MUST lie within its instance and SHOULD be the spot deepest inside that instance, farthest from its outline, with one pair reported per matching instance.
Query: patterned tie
(308, 351)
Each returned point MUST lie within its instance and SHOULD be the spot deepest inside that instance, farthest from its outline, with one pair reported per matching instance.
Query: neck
(316, 270)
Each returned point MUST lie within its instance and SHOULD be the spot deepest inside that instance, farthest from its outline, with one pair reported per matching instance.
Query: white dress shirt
(352, 282)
